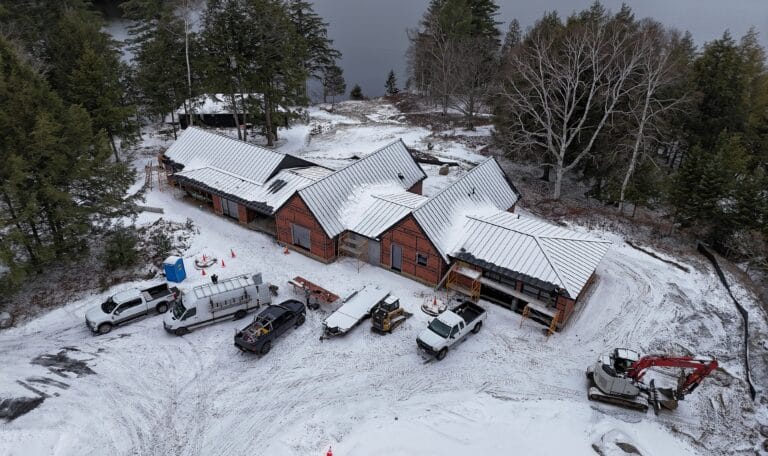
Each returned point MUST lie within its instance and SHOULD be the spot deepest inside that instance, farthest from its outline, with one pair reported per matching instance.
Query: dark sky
(372, 33)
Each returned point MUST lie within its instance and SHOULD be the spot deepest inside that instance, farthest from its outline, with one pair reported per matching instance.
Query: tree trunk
(558, 181)
(114, 146)
(186, 56)
(245, 116)
(234, 114)
(173, 123)
(268, 120)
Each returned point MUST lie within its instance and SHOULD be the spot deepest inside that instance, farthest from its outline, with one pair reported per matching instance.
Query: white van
(212, 302)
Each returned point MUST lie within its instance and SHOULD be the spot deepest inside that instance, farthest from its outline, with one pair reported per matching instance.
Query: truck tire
(441, 354)
(162, 308)
(104, 328)
(240, 314)
(181, 331)
(477, 327)
(266, 348)
(300, 320)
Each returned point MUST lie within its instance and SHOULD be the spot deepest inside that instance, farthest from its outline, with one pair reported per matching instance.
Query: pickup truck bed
(469, 312)
(158, 291)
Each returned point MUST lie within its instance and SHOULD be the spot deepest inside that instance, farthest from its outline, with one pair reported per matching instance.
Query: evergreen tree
(310, 26)
(58, 180)
(391, 83)
(333, 83)
(356, 93)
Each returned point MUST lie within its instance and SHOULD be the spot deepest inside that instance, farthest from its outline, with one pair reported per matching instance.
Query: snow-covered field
(507, 390)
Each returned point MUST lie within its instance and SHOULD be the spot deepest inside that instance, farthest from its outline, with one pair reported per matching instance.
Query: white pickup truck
(127, 305)
(449, 328)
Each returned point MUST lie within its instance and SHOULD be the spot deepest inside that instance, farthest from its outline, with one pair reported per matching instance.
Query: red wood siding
(217, 205)
(295, 211)
(409, 235)
(242, 214)
(416, 187)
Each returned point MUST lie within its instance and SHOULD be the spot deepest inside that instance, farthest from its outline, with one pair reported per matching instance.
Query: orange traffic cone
(434, 301)
(204, 258)
(222, 263)
(203, 271)
(285, 251)
(329, 453)
(232, 252)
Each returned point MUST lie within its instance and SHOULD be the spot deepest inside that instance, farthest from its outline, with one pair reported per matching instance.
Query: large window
(301, 236)
(538, 293)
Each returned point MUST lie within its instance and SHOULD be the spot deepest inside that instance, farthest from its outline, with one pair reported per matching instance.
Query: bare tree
(657, 73)
(559, 92)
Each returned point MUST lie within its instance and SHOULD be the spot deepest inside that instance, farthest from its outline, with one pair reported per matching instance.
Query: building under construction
(465, 237)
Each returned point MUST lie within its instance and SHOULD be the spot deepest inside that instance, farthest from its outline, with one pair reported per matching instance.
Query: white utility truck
(128, 305)
(231, 298)
(450, 328)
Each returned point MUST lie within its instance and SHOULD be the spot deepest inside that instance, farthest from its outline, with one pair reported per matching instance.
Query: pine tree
(391, 83)
(333, 83)
(58, 180)
(310, 26)
(356, 93)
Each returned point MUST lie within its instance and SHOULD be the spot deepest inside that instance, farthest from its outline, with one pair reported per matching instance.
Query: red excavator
(617, 378)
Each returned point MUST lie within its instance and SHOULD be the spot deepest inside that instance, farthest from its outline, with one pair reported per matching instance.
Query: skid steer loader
(388, 315)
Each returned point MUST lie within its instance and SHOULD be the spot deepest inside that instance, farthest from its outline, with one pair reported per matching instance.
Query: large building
(466, 237)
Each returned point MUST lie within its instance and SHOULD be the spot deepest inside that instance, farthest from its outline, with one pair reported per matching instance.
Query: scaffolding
(553, 322)
(355, 246)
(459, 275)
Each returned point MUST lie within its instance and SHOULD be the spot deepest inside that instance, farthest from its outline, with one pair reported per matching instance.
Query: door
(281, 323)
(374, 253)
(397, 257)
(301, 236)
(229, 208)
(129, 310)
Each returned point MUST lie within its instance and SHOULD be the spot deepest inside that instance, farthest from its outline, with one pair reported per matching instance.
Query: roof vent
(400, 175)
(472, 192)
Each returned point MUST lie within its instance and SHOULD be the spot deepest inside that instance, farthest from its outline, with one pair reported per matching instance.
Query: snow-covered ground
(507, 390)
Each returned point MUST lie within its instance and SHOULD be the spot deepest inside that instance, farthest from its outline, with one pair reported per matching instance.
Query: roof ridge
(239, 141)
(228, 173)
(354, 163)
(446, 188)
(544, 236)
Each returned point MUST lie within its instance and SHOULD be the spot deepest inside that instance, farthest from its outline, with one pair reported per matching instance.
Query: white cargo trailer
(227, 299)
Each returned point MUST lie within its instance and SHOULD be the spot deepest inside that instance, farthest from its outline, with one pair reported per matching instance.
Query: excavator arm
(702, 367)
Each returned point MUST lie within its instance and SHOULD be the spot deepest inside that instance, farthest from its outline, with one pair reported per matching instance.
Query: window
(190, 313)
(421, 259)
(454, 331)
(301, 236)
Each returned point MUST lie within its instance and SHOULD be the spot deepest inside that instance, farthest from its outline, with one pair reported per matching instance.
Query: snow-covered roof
(524, 245)
(484, 189)
(218, 103)
(265, 198)
(330, 199)
(386, 210)
(198, 148)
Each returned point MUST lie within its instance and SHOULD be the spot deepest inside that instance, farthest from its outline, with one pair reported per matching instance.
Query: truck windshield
(440, 328)
(108, 306)
(178, 310)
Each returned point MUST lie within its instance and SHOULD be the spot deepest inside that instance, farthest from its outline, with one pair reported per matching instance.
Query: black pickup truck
(269, 324)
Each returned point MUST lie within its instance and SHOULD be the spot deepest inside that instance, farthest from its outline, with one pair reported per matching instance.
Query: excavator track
(595, 394)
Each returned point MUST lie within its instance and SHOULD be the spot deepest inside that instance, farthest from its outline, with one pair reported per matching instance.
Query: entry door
(301, 236)
(397, 257)
(229, 208)
(374, 252)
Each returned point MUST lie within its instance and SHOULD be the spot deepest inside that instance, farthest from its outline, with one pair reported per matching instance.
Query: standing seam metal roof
(327, 197)
(197, 148)
(385, 211)
(533, 248)
(484, 186)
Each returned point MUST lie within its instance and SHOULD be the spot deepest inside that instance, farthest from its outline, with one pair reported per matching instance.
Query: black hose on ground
(744, 314)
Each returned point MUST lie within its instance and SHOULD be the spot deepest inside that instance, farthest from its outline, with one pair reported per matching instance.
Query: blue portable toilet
(174, 269)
